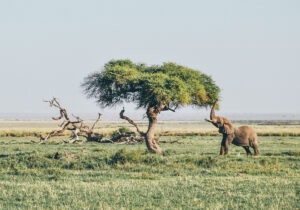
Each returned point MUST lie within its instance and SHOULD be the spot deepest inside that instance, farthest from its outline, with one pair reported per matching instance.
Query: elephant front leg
(222, 150)
(223, 145)
(226, 141)
(226, 148)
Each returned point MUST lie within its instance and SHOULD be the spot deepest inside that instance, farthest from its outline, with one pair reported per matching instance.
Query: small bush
(153, 159)
(124, 129)
(122, 156)
(206, 162)
(291, 153)
(169, 152)
(119, 132)
(147, 175)
(265, 162)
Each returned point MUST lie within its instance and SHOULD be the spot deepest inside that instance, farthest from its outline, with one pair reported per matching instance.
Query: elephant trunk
(212, 112)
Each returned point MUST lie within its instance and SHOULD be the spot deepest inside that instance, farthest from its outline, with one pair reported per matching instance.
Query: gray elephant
(244, 136)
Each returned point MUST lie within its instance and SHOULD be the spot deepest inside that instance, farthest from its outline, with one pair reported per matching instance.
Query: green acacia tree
(156, 88)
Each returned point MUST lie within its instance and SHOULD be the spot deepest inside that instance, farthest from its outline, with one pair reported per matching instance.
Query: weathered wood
(76, 126)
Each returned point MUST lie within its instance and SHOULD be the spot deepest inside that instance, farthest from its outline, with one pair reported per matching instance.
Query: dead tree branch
(122, 116)
(95, 123)
(77, 127)
(63, 111)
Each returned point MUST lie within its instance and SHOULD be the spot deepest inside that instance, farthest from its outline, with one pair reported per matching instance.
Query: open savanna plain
(189, 174)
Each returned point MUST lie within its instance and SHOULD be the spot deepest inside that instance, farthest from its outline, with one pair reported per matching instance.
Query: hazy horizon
(139, 115)
(250, 48)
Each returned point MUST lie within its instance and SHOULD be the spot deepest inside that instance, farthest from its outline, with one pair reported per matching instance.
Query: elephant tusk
(209, 120)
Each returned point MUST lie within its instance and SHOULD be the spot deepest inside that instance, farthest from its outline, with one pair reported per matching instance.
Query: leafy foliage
(169, 84)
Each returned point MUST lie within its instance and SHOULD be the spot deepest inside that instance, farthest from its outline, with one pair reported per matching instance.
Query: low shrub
(119, 132)
(122, 156)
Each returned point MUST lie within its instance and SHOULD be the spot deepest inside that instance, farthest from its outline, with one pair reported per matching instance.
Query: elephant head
(224, 125)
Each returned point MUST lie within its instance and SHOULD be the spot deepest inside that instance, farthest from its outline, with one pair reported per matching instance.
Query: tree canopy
(169, 85)
(156, 88)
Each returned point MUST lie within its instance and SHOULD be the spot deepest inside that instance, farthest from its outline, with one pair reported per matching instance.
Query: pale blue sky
(250, 48)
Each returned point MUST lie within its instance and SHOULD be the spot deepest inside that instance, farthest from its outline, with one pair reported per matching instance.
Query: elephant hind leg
(255, 148)
(247, 150)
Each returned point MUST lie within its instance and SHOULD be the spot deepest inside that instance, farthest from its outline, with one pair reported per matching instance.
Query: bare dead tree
(63, 114)
(76, 126)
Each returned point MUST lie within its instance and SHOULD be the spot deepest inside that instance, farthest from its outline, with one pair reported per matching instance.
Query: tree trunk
(152, 145)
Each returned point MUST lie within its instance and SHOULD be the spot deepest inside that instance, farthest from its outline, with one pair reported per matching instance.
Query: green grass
(190, 175)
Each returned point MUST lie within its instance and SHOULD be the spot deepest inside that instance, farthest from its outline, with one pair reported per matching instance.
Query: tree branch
(63, 111)
(99, 116)
(122, 116)
(167, 108)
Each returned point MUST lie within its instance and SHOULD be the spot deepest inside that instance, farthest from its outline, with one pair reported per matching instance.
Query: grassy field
(164, 128)
(188, 175)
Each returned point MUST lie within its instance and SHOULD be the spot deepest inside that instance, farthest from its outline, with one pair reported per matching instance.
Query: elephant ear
(228, 127)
